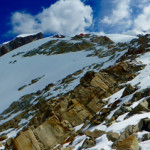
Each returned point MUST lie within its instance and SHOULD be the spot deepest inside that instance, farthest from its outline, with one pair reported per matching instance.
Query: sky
(70, 17)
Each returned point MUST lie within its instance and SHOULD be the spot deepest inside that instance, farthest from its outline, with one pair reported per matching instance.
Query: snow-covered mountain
(82, 92)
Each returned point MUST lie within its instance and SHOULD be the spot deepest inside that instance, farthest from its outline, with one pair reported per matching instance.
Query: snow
(145, 145)
(78, 127)
(54, 67)
(10, 117)
(119, 126)
(25, 35)
(121, 37)
(140, 134)
(121, 118)
(102, 143)
(118, 37)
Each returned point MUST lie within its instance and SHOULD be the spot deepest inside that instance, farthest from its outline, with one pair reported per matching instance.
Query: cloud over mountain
(64, 17)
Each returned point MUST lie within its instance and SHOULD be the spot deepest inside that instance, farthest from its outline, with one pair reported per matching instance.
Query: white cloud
(120, 15)
(142, 22)
(122, 11)
(64, 17)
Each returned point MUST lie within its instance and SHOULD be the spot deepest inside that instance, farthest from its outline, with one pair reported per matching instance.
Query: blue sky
(71, 17)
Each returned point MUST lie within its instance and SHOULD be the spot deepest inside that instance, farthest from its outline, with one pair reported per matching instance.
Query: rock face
(19, 41)
(73, 109)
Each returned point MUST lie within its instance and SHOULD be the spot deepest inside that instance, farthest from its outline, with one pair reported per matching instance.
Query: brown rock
(130, 143)
(26, 141)
(94, 134)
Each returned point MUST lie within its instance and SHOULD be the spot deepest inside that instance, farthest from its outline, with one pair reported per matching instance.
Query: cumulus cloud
(121, 13)
(142, 22)
(64, 17)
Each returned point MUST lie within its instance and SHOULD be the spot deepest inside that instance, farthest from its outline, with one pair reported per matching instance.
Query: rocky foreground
(109, 108)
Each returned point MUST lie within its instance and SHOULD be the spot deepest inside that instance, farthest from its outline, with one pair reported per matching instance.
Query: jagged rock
(112, 136)
(94, 134)
(130, 143)
(128, 90)
(88, 143)
(19, 41)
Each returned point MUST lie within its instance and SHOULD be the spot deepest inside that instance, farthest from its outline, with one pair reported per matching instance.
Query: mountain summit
(82, 92)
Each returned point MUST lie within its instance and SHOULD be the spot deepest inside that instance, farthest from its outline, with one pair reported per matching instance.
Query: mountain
(82, 92)
(19, 41)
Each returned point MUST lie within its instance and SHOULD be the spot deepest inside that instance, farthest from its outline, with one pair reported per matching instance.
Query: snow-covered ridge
(47, 75)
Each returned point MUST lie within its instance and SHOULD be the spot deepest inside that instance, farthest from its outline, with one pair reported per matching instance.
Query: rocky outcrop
(130, 143)
(57, 118)
(19, 41)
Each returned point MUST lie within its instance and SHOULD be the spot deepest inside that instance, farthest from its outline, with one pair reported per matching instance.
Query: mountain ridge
(89, 93)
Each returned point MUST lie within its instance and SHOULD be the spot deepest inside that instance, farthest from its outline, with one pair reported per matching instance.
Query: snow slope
(19, 71)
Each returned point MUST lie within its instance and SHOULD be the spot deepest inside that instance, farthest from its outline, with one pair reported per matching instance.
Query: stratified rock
(130, 143)
(27, 141)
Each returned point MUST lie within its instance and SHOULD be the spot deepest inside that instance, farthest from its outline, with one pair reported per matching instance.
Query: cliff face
(90, 93)
(19, 41)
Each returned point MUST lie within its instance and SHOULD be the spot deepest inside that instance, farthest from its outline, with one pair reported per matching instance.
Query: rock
(3, 137)
(112, 136)
(130, 143)
(103, 81)
(94, 134)
(1, 144)
(19, 41)
(26, 141)
(88, 143)
(128, 90)
(87, 78)
(143, 106)
(101, 40)
(144, 124)
(126, 109)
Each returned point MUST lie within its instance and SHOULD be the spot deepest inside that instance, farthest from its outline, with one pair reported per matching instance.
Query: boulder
(94, 134)
(128, 90)
(112, 136)
(130, 143)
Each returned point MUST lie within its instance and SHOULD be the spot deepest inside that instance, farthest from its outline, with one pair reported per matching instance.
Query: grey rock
(112, 136)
